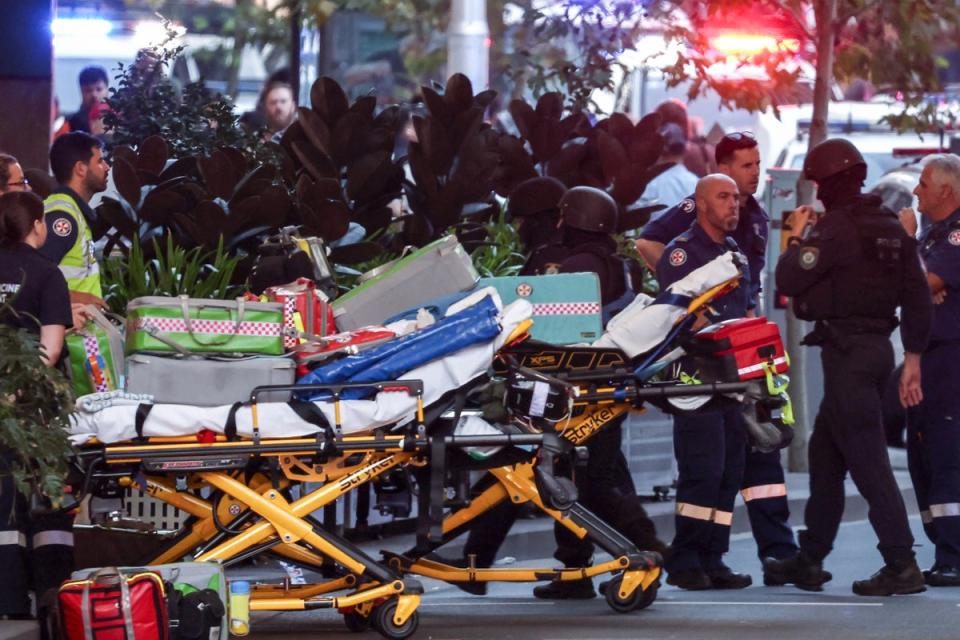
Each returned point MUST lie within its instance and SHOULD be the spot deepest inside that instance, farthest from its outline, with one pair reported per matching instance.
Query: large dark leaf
(437, 145)
(315, 129)
(255, 182)
(546, 140)
(182, 167)
(423, 175)
(330, 220)
(126, 153)
(466, 124)
(128, 184)
(244, 214)
(485, 98)
(613, 157)
(238, 161)
(328, 189)
(328, 100)
(417, 231)
(153, 154)
(634, 218)
(458, 94)
(364, 107)
(160, 205)
(550, 106)
(649, 124)
(112, 212)
(567, 162)
(390, 118)
(435, 104)
(375, 219)
(317, 163)
(146, 177)
(218, 174)
(523, 116)
(198, 234)
(356, 253)
(345, 138)
(619, 126)
(368, 175)
(275, 207)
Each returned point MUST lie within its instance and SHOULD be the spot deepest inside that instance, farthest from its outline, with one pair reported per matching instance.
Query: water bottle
(239, 607)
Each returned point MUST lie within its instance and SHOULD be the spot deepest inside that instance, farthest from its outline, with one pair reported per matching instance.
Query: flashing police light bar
(751, 44)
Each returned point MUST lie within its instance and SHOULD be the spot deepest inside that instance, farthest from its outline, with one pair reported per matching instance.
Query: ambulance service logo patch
(954, 238)
(809, 258)
(62, 227)
(687, 205)
(678, 257)
(524, 290)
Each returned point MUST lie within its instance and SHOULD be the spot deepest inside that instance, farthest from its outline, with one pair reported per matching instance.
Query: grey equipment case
(207, 382)
(436, 270)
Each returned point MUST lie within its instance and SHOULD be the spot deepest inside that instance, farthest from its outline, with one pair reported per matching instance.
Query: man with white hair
(933, 440)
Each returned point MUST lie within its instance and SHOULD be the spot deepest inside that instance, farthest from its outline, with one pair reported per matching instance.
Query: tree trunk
(825, 12)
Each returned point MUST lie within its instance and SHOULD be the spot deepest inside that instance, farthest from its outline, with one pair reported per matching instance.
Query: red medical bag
(305, 311)
(113, 606)
(737, 349)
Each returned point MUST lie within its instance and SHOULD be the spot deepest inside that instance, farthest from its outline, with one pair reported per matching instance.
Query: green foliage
(145, 102)
(576, 51)
(501, 253)
(174, 271)
(893, 44)
(35, 402)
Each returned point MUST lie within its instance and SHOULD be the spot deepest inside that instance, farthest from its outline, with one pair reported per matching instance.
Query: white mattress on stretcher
(637, 329)
(112, 417)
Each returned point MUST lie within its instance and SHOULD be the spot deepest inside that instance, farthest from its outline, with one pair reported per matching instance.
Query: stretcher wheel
(639, 599)
(356, 622)
(382, 621)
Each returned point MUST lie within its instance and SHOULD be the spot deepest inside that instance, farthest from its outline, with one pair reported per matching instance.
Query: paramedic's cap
(674, 139)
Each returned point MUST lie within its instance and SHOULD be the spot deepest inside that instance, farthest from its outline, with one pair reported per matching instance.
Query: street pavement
(758, 612)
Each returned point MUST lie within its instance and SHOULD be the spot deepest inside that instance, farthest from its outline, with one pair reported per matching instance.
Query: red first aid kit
(113, 606)
(738, 349)
(347, 343)
(305, 311)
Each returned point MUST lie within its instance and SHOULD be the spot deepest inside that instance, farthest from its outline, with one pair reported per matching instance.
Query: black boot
(798, 570)
(725, 578)
(566, 590)
(690, 579)
(893, 579)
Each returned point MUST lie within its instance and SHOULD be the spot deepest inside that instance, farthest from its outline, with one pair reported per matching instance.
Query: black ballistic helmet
(589, 209)
(829, 158)
(536, 195)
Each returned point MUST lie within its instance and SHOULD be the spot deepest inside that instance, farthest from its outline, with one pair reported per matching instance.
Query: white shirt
(670, 187)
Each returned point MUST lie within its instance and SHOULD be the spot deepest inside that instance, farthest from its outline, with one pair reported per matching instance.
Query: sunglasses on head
(740, 136)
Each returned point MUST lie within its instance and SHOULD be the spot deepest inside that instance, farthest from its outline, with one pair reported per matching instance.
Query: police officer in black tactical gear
(534, 207)
(849, 272)
(605, 486)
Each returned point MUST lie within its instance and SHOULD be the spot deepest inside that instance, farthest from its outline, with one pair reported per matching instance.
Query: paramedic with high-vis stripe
(710, 445)
(80, 168)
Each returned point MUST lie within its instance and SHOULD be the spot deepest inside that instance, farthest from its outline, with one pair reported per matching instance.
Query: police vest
(869, 286)
(622, 280)
(79, 265)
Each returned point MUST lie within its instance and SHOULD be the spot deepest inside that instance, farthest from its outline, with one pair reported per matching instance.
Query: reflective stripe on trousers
(45, 538)
(763, 491)
(708, 514)
(944, 510)
(12, 538)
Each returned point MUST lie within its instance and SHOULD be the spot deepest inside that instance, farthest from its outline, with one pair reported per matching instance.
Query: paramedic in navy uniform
(933, 441)
(764, 489)
(849, 272)
(36, 289)
(710, 446)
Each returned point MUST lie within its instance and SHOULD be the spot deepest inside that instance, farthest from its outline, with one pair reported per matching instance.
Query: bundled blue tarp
(475, 324)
